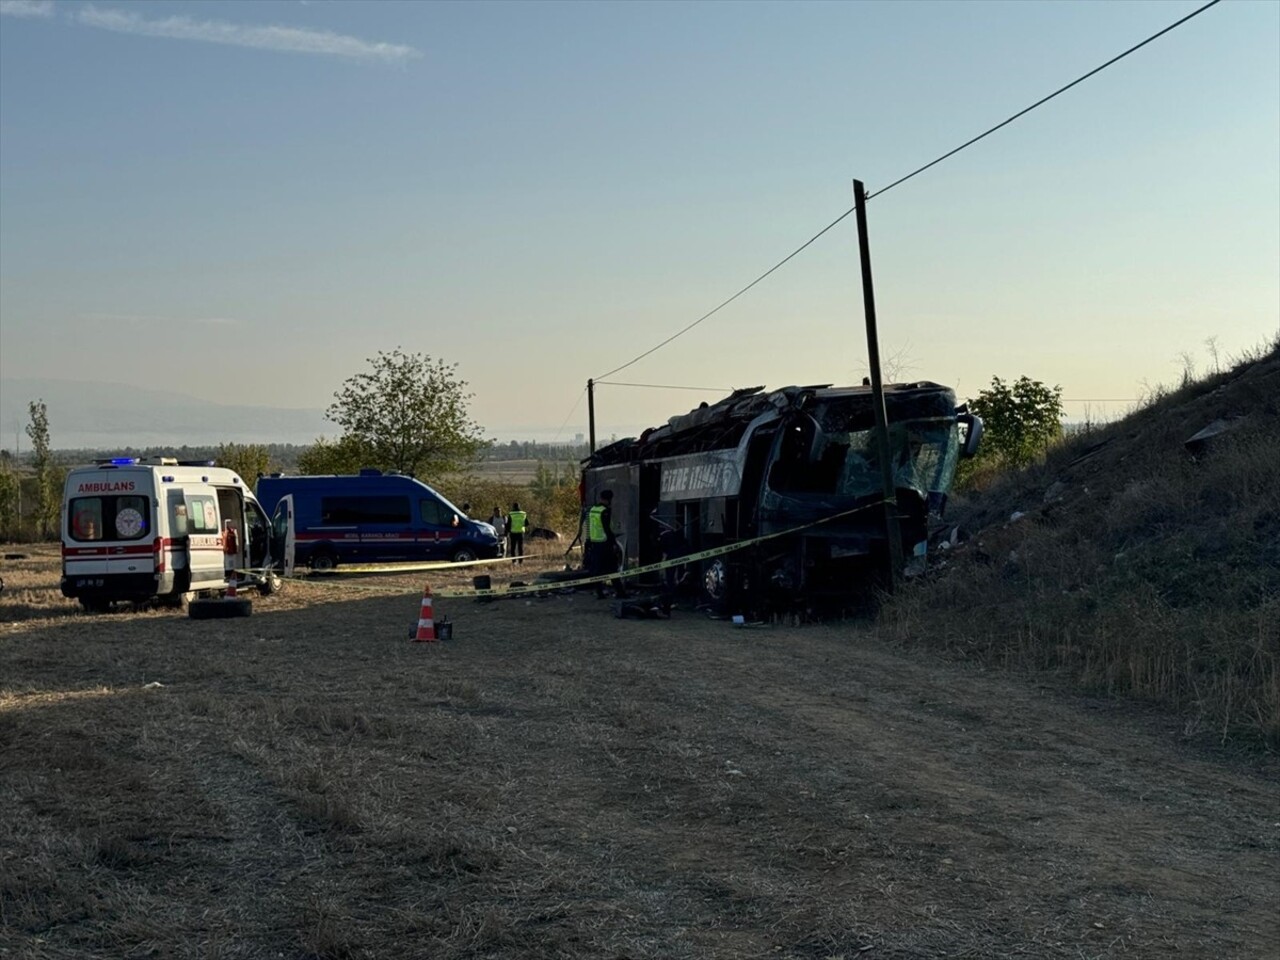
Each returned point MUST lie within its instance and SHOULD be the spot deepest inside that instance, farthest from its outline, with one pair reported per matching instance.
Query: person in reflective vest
(517, 520)
(602, 544)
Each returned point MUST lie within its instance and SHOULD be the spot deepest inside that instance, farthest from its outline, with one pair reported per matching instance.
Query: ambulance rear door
(204, 537)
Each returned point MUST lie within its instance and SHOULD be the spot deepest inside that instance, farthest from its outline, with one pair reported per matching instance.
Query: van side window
(202, 514)
(436, 513)
(344, 511)
(178, 514)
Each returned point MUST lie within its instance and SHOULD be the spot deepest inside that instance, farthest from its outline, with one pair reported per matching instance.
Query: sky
(243, 201)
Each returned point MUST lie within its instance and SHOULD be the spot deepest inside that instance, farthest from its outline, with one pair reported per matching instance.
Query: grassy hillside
(1130, 563)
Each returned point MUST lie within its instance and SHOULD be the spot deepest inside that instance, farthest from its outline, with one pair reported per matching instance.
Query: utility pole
(877, 391)
(591, 412)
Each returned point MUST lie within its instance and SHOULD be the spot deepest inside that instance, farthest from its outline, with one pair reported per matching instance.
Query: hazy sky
(242, 201)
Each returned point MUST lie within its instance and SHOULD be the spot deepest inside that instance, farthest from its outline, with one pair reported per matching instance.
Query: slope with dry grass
(1133, 565)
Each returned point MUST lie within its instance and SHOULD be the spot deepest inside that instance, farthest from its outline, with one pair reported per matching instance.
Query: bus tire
(222, 609)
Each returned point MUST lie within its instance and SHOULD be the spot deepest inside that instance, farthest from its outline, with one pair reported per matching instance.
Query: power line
(660, 386)
(572, 411)
(904, 179)
(714, 311)
(1044, 100)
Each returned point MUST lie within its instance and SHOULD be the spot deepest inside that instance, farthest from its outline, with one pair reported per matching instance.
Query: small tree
(8, 500)
(409, 414)
(1021, 421)
(48, 485)
(249, 460)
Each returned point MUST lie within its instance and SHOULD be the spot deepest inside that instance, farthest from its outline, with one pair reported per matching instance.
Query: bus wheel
(323, 560)
(221, 609)
(717, 586)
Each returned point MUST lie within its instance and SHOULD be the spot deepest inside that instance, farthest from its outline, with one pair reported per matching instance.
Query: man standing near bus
(602, 544)
(516, 521)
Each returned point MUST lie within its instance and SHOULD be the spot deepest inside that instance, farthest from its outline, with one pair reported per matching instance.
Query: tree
(9, 499)
(249, 460)
(345, 455)
(48, 477)
(1020, 421)
(409, 414)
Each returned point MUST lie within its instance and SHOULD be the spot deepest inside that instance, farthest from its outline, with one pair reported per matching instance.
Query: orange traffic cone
(426, 619)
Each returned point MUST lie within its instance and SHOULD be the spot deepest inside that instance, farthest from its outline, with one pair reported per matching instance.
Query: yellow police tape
(574, 583)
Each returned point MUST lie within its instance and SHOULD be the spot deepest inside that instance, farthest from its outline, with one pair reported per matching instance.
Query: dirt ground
(555, 782)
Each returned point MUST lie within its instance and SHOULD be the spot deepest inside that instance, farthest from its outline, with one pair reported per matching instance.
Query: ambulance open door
(283, 536)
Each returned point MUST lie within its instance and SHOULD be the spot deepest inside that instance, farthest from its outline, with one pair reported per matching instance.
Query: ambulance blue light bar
(124, 461)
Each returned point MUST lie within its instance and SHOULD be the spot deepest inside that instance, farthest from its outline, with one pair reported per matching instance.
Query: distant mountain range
(106, 415)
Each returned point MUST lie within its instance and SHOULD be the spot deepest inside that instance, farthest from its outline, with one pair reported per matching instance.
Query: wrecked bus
(778, 464)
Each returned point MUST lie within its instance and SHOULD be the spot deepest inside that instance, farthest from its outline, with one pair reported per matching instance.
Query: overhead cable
(572, 411)
(904, 179)
(660, 386)
(714, 311)
(1044, 100)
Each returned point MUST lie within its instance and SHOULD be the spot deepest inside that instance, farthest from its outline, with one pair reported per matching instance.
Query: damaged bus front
(794, 472)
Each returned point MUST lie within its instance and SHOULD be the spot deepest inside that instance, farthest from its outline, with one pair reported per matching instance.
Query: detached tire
(221, 609)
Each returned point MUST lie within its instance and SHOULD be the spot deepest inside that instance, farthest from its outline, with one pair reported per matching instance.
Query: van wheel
(223, 609)
(323, 561)
(464, 555)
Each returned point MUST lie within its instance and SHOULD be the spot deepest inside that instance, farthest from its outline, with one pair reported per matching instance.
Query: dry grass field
(554, 782)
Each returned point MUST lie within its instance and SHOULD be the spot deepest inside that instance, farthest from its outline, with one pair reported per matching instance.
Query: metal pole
(877, 391)
(591, 412)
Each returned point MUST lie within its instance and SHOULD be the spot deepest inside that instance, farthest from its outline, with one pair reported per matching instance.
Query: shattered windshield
(845, 462)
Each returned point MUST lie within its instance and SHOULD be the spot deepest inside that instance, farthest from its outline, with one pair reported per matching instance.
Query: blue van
(374, 517)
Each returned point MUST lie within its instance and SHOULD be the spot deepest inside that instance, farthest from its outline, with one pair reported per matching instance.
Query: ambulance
(153, 530)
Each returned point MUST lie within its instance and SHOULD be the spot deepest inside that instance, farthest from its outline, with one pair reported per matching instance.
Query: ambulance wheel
(464, 555)
(223, 609)
(323, 560)
(94, 605)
